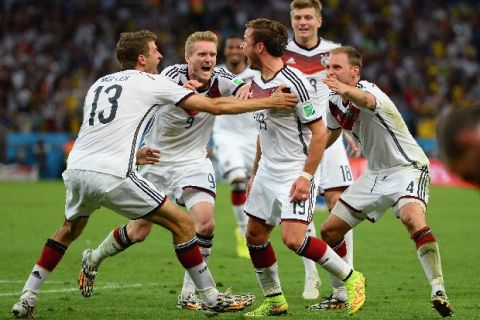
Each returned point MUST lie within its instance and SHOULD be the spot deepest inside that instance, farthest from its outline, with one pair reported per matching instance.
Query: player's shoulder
(367, 85)
(222, 72)
(327, 45)
(293, 74)
(174, 71)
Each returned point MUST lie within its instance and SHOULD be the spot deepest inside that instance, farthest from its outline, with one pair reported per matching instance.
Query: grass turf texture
(144, 281)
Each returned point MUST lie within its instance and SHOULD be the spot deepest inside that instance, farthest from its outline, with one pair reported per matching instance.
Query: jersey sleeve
(380, 97)
(228, 82)
(308, 107)
(168, 92)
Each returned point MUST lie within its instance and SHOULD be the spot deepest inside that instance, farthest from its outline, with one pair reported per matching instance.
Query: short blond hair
(354, 57)
(302, 4)
(199, 36)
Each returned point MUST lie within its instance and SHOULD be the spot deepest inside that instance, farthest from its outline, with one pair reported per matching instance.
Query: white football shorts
(235, 156)
(376, 191)
(269, 199)
(197, 176)
(133, 197)
(334, 169)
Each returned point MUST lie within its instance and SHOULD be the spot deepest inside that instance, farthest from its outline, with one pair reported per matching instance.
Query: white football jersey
(241, 126)
(381, 133)
(180, 134)
(115, 113)
(284, 136)
(309, 61)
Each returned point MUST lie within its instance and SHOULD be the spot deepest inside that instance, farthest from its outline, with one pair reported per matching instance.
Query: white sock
(109, 247)
(203, 281)
(188, 283)
(36, 279)
(241, 218)
(269, 280)
(429, 256)
(334, 264)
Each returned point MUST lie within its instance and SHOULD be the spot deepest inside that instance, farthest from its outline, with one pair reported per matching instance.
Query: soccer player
(282, 186)
(459, 141)
(305, 52)
(101, 166)
(184, 171)
(235, 143)
(397, 174)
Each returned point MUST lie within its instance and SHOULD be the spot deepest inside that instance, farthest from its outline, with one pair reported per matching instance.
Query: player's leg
(413, 217)
(188, 253)
(117, 241)
(200, 206)
(51, 254)
(312, 279)
(239, 197)
(339, 294)
(266, 269)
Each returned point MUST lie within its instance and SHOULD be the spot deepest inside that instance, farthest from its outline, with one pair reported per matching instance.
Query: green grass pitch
(144, 281)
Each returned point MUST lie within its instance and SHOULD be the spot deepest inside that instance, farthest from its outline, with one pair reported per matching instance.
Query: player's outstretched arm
(223, 105)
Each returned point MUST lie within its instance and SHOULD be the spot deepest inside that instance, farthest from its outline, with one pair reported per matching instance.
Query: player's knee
(255, 238)
(292, 241)
(206, 227)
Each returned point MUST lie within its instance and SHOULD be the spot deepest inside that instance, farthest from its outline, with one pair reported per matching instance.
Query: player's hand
(353, 148)
(249, 185)
(282, 98)
(336, 86)
(244, 92)
(147, 155)
(300, 190)
(192, 85)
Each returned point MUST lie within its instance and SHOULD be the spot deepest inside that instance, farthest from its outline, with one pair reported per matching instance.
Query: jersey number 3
(117, 91)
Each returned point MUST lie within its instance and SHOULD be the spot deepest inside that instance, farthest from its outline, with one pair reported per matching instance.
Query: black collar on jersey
(280, 70)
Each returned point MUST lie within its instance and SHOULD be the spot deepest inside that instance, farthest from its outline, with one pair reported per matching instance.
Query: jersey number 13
(117, 91)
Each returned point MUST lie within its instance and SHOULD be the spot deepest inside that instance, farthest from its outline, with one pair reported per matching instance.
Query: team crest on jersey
(345, 118)
(308, 110)
(237, 81)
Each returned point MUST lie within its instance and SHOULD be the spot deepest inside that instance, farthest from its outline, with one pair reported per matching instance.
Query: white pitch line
(113, 286)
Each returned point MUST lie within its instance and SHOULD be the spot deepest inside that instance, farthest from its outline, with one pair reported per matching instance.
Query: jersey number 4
(117, 91)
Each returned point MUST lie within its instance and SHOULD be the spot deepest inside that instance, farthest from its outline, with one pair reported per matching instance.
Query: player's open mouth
(206, 69)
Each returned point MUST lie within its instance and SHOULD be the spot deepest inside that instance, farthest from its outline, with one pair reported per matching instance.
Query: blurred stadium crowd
(424, 54)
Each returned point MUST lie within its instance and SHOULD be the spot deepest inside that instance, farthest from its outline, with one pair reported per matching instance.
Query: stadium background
(424, 54)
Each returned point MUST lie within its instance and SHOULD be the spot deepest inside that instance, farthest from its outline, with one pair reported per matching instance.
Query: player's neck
(236, 68)
(270, 67)
(307, 43)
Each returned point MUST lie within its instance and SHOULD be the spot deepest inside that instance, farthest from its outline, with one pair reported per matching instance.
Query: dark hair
(131, 45)
(273, 35)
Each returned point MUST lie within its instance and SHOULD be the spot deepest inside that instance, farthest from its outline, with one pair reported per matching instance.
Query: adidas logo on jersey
(291, 61)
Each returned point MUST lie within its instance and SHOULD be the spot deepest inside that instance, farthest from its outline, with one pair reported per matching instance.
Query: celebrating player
(398, 173)
(282, 186)
(305, 52)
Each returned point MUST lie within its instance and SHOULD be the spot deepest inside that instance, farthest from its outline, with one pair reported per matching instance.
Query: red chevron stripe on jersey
(346, 119)
(308, 65)
(258, 92)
